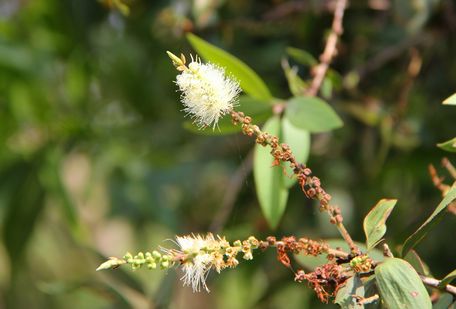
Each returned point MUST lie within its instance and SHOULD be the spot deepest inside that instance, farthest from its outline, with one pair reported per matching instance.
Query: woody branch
(330, 49)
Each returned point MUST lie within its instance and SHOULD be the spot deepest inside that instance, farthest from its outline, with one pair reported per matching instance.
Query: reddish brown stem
(450, 168)
(310, 184)
(436, 180)
(330, 49)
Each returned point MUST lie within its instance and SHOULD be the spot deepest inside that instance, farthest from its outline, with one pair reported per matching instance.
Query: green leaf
(345, 295)
(310, 262)
(448, 278)
(299, 141)
(296, 85)
(250, 82)
(374, 223)
(301, 56)
(438, 213)
(326, 88)
(259, 110)
(269, 180)
(451, 100)
(312, 114)
(448, 145)
(414, 259)
(400, 286)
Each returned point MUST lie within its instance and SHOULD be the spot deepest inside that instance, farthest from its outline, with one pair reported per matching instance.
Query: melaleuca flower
(207, 93)
(195, 254)
(203, 253)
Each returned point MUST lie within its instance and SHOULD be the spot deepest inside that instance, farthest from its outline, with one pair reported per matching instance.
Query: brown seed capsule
(271, 240)
(311, 192)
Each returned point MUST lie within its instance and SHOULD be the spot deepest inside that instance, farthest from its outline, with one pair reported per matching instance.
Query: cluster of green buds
(152, 260)
(361, 264)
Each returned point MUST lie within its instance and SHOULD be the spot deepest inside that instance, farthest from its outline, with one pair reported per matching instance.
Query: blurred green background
(95, 161)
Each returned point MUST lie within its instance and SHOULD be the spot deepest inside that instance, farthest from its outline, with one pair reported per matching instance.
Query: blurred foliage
(95, 159)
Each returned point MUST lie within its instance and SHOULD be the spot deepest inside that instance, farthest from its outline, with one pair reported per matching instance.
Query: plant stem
(343, 231)
(436, 284)
(451, 169)
(310, 185)
(330, 49)
(436, 180)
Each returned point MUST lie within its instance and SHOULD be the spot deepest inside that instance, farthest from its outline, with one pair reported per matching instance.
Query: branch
(310, 184)
(435, 284)
(450, 168)
(330, 49)
(436, 180)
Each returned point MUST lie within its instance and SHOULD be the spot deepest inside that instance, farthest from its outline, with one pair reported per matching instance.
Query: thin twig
(436, 284)
(386, 251)
(450, 168)
(436, 180)
(365, 301)
(234, 186)
(330, 49)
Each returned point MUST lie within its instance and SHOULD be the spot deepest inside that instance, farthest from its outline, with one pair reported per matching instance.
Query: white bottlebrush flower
(207, 93)
(196, 271)
(196, 255)
(202, 253)
(197, 267)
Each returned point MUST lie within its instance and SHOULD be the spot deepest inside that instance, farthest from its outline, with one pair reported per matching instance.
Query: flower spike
(207, 92)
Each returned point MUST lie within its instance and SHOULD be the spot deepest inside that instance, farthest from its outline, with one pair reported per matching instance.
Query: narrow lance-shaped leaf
(312, 114)
(250, 82)
(271, 192)
(296, 85)
(301, 56)
(448, 278)
(451, 100)
(414, 259)
(418, 235)
(374, 223)
(448, 145)
(400, 286)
